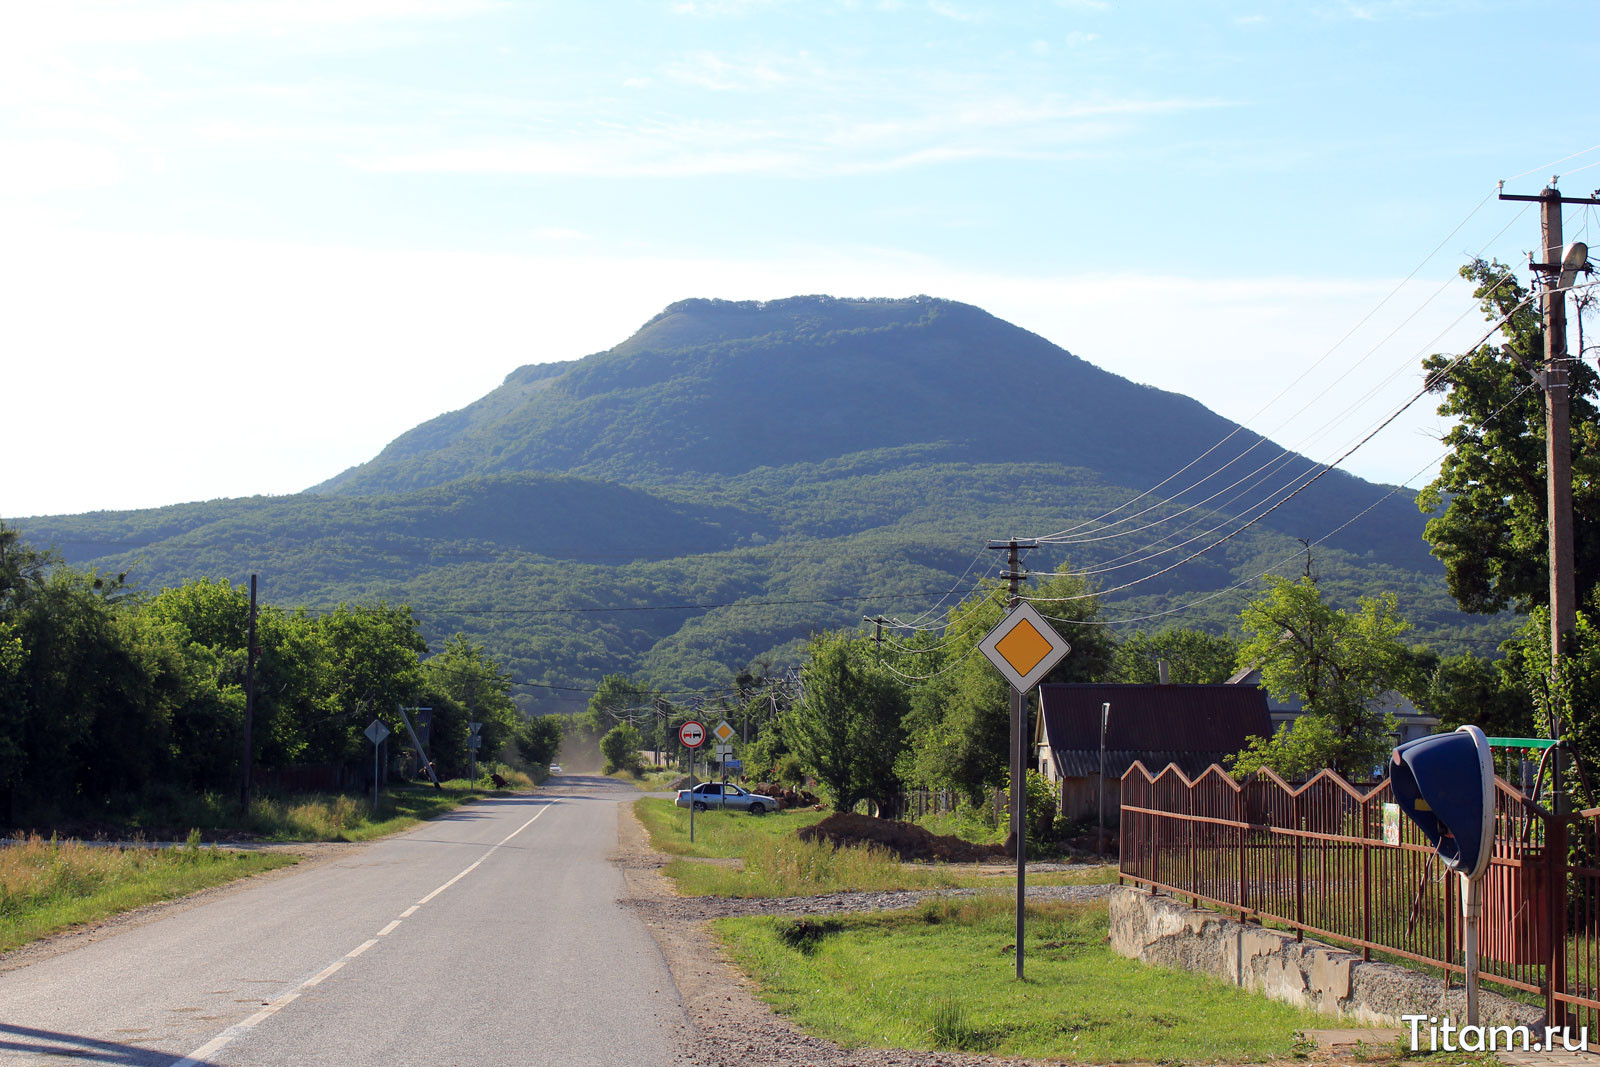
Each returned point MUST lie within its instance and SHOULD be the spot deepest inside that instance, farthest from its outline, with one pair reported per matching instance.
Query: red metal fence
(1314, 858)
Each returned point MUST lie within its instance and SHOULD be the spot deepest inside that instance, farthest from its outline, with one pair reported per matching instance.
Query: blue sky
(247, 243)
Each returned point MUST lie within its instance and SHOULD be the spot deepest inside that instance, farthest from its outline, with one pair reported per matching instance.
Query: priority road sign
(723, 732)
(692, 734)
(1024, 647)
(376, 731)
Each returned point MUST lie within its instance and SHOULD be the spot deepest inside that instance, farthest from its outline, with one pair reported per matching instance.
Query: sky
(245, 243)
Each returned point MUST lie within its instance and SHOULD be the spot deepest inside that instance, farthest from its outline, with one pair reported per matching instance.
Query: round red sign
(692, 734)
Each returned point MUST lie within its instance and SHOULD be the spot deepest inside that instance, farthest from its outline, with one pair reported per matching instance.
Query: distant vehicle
(555, 768)
(725, 796)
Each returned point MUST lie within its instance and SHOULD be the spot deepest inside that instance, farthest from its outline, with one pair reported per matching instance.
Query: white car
(726, 797)
(555, 768)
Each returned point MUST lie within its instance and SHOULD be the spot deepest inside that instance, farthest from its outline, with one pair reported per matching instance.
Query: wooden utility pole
(249, 699)
(1019, 743)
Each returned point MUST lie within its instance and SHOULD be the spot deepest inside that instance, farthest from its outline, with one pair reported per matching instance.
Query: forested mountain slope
(738, 475)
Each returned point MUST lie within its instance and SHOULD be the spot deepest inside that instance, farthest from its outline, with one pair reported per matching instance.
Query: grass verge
(649, 781)
(778, 864)
(47, 886)
(940, 977)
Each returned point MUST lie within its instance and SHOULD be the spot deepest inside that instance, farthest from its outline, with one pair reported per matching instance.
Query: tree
(1490, 496)
(539, 739)
(470, 680)
(1193, 656)
(848, 727)
(1468, 690)
(1338, 663)
(620, 747)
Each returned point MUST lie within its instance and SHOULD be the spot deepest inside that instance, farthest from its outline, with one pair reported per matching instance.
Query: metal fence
(1314, 859)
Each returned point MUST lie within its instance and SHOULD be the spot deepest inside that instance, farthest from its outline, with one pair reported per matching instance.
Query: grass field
(940, 976)
(46, 886)
(777, 864)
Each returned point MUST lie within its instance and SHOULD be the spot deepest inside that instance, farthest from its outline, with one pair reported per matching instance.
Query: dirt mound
(904, 839)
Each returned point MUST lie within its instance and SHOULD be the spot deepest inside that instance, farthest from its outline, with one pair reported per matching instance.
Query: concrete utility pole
(249, 699)
(1019, 760)
(1558, 425)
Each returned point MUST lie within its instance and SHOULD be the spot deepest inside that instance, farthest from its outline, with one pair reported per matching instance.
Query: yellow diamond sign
(1024, 647)
(723, 732)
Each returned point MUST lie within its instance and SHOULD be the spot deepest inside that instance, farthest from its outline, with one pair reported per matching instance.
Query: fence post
(1555, 846)
(1366, 883)
(1299, 871)
(1241, 811)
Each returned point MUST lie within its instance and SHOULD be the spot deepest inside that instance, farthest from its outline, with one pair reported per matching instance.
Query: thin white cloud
(708, 70)
(116, 21)
(963, 129)
(945, 9)
(718, 8)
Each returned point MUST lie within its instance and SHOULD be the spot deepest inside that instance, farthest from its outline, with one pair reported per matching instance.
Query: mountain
(736, 475)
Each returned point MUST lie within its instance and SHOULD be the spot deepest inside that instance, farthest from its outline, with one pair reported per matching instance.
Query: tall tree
(1194, 657)
(1490, 530)
(848, 727)
(1338, 663)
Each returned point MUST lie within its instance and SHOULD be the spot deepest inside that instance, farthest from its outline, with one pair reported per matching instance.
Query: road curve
(489, 936)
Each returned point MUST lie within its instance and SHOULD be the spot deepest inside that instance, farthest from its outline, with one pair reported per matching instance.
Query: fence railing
(1314, 858)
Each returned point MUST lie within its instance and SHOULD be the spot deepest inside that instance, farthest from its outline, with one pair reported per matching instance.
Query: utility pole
(877, 636)
(1555, 380)
(1019, 763)
(249, 699)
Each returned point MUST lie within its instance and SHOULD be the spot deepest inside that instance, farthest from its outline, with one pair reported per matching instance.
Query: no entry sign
(692, 734)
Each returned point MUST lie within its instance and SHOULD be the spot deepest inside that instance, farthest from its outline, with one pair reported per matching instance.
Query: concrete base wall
(1166, 932)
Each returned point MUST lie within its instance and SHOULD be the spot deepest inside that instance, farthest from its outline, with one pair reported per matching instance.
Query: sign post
(376, 731)
(1024, 647)
(1445, 785)
(691, 735)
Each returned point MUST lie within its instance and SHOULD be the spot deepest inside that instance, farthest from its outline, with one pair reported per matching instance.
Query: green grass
(940, 976)
(778, 864)
(47, 886)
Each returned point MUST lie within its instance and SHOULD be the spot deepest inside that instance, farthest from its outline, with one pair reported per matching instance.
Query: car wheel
(758, 809)
(699, 806)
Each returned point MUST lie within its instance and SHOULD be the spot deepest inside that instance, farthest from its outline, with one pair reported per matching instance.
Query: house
(1412, 723)
(1193, 726)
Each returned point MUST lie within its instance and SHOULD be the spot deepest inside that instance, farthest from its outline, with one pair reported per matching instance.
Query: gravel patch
(696, 909)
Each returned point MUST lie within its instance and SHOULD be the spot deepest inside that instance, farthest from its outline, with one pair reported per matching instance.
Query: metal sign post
(691, 735)
(376, 731)
(1024, 647)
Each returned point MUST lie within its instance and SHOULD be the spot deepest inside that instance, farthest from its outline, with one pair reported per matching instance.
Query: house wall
(1080, 797)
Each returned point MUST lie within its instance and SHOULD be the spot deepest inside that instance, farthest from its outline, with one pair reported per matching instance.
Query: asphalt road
(490, 936)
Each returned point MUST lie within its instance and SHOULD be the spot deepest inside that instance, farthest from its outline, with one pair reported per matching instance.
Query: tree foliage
(1490, 530)
(849, 726)
(1338, 663)
(1193, 657)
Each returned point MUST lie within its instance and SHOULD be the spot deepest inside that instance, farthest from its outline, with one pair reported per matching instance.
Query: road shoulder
(729, 1023)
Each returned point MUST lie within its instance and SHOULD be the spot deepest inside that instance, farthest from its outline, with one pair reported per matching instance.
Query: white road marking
(196, 1057)
(481, 858)
(387, 930)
